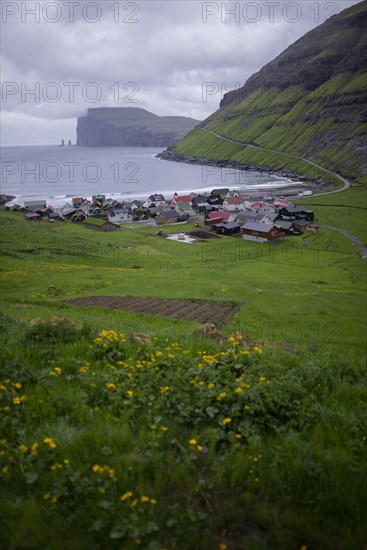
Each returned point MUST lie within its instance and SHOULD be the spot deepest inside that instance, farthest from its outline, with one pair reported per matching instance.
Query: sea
(56, 174)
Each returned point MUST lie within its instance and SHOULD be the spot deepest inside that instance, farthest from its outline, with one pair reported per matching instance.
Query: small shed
(100, 225)
(304, 226)
(233, 228)
(33, 217)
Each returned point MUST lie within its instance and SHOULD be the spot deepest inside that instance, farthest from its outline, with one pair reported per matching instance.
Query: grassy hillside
(113, 439)
(272, 283)
(310, 102)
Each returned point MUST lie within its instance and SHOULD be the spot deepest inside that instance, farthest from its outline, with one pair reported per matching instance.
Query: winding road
(345, 183)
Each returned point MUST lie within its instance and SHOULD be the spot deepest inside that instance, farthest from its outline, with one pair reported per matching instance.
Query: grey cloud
(167, 55)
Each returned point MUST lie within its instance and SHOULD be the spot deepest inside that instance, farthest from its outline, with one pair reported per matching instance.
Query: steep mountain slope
(131, 127)
(310, 101)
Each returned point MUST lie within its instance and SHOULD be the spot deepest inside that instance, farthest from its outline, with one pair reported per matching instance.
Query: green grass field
(171, 440)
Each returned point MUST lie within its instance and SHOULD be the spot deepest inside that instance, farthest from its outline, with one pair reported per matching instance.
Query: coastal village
(222, 211)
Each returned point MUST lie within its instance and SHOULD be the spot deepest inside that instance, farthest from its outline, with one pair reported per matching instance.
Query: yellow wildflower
(144, 499)
(126, 495)
(23, 448)
(193, 442)
(56, 466)
(227, 420)
(222, 396)
(50, 442)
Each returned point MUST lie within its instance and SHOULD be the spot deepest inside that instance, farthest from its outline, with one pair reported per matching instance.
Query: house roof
(260, 227)
(281, 203)
(282, 224)
(259, 204)
(170, 214)
(219, 214)
(116, 211)
(298, 208)
(232, 225)
(234, 200)
(156, 197)
(220, 191)
(183, 198)
(33, 215)
(262, 214)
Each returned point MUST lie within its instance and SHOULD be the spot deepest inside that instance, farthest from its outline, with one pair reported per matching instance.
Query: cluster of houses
(226, 212)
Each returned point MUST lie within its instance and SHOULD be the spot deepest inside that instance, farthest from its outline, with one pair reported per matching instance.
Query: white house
(233, 204)
(119, 215)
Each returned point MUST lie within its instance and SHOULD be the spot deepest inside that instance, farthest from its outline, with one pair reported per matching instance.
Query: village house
(256, 206)
(232, 228)
(200, 204)
(155, 201)
(218, 194)
(32, 206)
(282, 203)
(245, 216)
(304, 226)
(181, 199)
(119, 215)
(213, 218)
(100, 198)
(77, 202)
(185, 207)
(287, 227)
(233, 204)
(203, 207)
(67, 210)
(266, 217)
(78, 217)
(296, 212)
(169, 216)
(32, 217)
(261, 232)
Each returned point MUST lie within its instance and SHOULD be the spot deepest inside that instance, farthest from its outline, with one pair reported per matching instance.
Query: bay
(56, 173)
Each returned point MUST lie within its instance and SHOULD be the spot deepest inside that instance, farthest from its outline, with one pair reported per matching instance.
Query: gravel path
(349, 236)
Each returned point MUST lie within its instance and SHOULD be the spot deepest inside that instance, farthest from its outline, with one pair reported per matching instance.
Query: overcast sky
(59, 58)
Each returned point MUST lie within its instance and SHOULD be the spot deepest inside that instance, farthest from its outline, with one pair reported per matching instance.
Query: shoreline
(307, 183)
